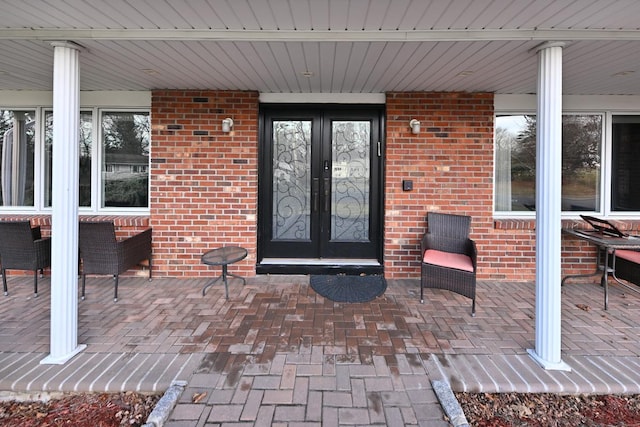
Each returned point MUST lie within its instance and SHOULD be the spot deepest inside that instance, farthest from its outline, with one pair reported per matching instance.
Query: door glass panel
(291, 180)
(350, 181)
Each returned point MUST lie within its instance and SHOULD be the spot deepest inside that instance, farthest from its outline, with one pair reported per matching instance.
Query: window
(85, 141)
(625, 163)
(125, 159)
(113, 159)
(17, 154)
(515, 162)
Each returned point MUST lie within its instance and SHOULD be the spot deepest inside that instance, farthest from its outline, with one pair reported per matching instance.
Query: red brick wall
(203, 182)
(451, 165)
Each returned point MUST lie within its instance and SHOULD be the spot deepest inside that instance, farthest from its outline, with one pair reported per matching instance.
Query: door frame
(314, 265)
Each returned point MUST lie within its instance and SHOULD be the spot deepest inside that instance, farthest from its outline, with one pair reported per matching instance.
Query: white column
(65, 196)
(548, 208)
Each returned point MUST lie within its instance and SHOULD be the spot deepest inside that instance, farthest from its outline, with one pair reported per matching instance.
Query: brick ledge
(630, 225)
(118, 220)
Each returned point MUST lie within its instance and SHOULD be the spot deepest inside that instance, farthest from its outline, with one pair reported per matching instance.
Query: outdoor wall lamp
(415, 126)
(227, 125)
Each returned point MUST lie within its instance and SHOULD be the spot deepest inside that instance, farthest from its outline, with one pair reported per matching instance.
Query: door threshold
(321, 261)
(319, 266)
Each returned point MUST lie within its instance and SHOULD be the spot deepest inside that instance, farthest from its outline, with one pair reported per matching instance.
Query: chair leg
(150, 265)
(473, 307)
(84, 277)
(4, 281)
(35, 283)
(421, 293)
(115, 290)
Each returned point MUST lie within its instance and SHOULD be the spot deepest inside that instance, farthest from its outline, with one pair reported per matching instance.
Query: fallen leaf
(197, 397)
(583, 307)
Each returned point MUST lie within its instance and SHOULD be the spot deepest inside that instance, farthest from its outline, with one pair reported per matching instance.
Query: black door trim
(277, 263)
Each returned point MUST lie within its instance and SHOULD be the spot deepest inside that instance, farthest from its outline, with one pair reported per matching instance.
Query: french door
(320, 183)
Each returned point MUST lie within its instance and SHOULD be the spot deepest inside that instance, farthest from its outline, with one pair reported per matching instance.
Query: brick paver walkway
(276, 353)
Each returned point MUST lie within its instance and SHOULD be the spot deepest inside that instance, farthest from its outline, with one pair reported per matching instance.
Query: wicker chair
(627, 265)
(23, 248)
(449, 257)
(102, 253)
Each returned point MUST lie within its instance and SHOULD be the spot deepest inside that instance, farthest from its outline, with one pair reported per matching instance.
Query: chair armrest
(36, 233)
(473, 253)
(136, 248)
(43, 252)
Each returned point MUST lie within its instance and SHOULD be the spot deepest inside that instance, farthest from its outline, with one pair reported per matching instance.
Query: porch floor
(276, 353)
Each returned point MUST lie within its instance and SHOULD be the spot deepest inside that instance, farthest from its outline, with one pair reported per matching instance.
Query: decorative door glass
(291, 180)
(350, 181)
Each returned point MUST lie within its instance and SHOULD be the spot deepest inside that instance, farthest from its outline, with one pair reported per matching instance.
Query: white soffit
(348, 46)
(105, 99)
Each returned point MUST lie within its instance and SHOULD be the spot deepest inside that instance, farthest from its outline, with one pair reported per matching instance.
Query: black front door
(320, 183)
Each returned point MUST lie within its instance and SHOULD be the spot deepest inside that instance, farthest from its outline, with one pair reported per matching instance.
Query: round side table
(223, 257)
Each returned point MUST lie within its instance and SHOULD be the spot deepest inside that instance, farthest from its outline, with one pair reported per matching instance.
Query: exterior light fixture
(415, 126)
(227, 125)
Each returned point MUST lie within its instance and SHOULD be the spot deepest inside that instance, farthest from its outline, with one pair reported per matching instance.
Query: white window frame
(96, 102)
(607, 106)
(96, 181)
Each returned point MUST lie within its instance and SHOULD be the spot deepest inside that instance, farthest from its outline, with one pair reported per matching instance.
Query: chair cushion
(448, 259)
(633, 256)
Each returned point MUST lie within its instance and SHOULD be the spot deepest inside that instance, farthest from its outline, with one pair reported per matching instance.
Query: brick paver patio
(278, 354)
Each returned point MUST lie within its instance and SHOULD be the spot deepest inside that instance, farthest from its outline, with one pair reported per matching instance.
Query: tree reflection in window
(515, 162)
(125, 159)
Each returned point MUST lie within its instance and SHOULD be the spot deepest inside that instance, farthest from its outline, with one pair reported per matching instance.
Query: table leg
(211, 283)
(576, 276)
(244, 282)
(224, 279)
(224, 276)
(604, 281)
(600, 265)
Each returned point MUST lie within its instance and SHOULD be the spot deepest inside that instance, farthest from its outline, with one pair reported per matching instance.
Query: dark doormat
(345, 288)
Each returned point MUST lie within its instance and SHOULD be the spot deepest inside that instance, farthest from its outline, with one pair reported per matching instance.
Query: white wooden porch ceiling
(323, 46)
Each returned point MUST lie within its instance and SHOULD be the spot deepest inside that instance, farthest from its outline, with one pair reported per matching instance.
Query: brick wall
(203, 181)
(204, 185)
(451, 164)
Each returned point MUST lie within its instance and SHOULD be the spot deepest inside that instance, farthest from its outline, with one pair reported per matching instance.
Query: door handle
(327, 194)
(316, 194)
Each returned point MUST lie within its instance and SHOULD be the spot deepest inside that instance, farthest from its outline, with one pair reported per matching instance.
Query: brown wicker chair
(627, 265)
(23, 248)
(102, 253)
(449, 257)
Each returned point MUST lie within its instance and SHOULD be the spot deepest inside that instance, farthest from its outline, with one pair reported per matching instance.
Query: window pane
(625, 164)
(581, 154)
(515, 150)
(515, 174)
(86, 129)
(125, 159)
(17, 130)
